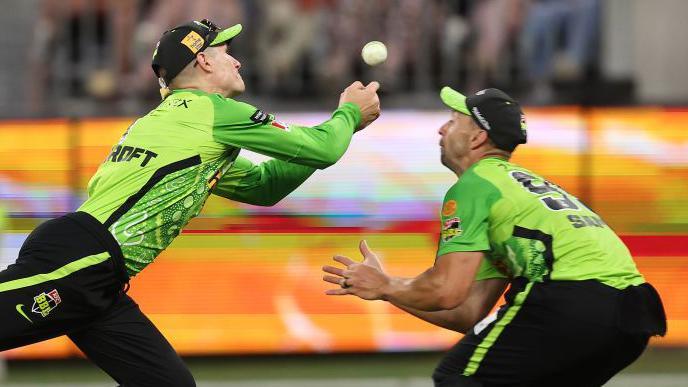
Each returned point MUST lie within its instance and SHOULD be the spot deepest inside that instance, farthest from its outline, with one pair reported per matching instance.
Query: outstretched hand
(363, 279)
(366, 98)
(369, 258)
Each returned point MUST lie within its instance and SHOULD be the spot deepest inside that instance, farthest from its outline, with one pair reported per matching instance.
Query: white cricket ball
(374, 53)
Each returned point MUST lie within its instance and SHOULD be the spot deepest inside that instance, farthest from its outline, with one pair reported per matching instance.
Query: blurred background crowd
(92, 57)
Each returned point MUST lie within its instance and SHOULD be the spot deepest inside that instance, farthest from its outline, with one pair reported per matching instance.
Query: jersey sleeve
(264, 184)
(487, 271)
(465, 215)
(242, 125)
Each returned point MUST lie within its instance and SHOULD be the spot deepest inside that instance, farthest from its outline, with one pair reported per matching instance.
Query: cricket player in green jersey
(577, 310)
(72, 272)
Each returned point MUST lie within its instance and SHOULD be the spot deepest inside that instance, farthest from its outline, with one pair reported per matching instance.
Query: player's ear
(479, 138)
(204, 61)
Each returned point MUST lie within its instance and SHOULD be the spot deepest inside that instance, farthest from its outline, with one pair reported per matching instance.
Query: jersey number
(554, 197)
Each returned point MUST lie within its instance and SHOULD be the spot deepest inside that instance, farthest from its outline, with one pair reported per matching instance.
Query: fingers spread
(332, 279)
(363, 247)
(346, 261)
(337, 292)
(333, 270)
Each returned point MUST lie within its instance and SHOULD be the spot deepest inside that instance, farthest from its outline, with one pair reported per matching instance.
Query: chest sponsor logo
(181, 102)
(451, 228)
(44, 303)
(124, 153)
(449, 208)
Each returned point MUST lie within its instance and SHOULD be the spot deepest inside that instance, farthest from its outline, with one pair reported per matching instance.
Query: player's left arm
(445, 285)
(482, 297)
(264, 184)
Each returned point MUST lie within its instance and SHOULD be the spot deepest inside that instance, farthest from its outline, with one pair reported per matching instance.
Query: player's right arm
(242, 125)
(263, 184)
(483, 295)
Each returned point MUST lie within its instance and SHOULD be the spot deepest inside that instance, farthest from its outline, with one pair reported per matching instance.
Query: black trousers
(564, 334)
(68, 280)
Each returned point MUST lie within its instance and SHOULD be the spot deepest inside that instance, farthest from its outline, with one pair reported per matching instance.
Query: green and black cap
(494, 111)
(178, 47)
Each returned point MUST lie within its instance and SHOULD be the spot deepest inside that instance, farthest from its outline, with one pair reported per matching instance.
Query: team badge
(451, 228)
(44, 303)
(449, 208)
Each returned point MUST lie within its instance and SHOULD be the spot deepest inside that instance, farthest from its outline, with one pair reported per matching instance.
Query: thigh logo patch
(44, 303)
(20, 310)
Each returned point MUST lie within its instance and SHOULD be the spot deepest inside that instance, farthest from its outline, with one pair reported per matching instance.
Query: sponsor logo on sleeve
(260, 117)
(449, 208)
(193, 41)
(44, 303)
(451, 228)
(280, 125)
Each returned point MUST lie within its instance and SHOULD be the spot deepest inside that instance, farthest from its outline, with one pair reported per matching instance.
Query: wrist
(354, 111)
(390, 288)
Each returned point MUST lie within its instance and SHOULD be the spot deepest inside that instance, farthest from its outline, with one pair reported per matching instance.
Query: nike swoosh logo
(19, 309)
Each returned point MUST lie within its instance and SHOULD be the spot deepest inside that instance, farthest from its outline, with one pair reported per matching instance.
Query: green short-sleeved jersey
(530, 228)
(167, 163)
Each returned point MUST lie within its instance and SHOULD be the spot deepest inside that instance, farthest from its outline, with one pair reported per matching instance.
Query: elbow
(267, 201)
(334, 155)
(331, 154)
(329, 159)
(324, 164)
(469, 322)
(262, 200)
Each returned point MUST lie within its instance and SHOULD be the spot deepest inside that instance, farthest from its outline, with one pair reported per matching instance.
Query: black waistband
(634, 309)
(102, 235)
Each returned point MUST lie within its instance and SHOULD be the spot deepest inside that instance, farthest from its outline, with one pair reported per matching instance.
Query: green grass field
(656, 368)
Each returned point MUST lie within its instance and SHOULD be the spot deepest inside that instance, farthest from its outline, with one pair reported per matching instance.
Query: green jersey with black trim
(530, 227)
(168, 162)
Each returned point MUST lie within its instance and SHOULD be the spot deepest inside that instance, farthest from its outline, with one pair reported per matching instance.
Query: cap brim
(454, 100)
(226, 34)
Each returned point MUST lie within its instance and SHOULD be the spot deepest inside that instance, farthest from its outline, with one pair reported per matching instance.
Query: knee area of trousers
(180, 377)
(185, 380)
